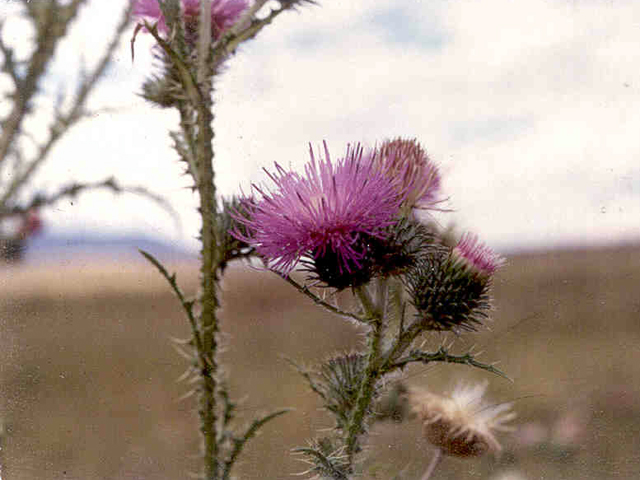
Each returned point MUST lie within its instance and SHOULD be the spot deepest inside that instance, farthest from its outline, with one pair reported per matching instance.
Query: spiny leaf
(443, 355)
(187, 305)
(326, 459)
(250, 432)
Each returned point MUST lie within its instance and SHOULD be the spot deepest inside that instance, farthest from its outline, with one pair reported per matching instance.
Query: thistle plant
(347, 222)
(350, 225)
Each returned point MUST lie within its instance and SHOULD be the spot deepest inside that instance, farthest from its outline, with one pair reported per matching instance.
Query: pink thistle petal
(331, 209)
(150, 10)
(224, 13)
(407, 160)
(478, 255)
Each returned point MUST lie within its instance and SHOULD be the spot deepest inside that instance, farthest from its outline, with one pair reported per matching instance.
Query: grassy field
(89, 390)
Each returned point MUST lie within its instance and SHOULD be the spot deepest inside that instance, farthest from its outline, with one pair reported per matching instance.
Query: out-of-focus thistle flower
(224, 13)
(462, 424)
(407, 160)
(450, 289)
(330, 218)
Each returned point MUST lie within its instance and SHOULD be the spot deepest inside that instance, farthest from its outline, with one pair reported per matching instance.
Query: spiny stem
(396, 305)
(210, 259)
(208, 284)
(204, 40)
(366, 389)
(372, 312)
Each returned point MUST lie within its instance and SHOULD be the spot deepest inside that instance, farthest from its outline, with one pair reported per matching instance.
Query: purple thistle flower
(419, 175)
(224, 13)
(477, 255)
(330, 216)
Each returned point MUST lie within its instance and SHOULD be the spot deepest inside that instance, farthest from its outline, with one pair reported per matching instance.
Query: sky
(530, 109)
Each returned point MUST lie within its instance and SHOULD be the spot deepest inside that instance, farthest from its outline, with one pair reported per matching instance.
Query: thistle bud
(450, 289)
(419, 176)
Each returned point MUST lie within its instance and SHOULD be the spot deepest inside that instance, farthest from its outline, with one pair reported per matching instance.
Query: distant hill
(62, 248)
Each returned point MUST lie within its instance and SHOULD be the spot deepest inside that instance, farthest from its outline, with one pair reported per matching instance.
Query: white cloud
(531, 108)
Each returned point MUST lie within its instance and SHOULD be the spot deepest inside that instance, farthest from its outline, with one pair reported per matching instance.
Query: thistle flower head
(462, 424)
(334, 380)
(407, 241)
(223, 14)
(477, 255)
(407, 160)
(450, 288)
(328, 218)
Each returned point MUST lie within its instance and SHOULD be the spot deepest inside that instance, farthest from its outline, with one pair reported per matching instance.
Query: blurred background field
(89, 390)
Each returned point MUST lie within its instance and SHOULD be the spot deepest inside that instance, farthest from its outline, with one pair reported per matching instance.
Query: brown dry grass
(88, 377)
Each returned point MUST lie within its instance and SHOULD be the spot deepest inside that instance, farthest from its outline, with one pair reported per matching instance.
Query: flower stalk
(208, 288)
(366, 389)
(209, 250)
